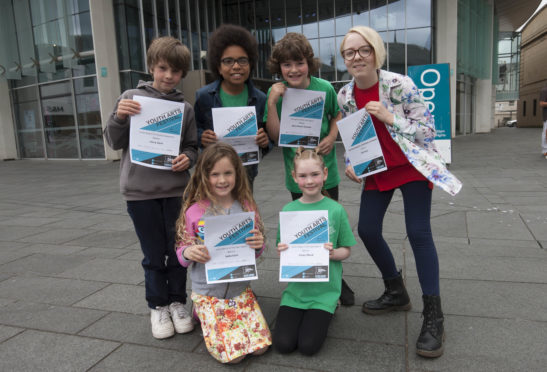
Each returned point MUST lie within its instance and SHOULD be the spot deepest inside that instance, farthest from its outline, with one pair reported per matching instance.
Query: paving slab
(56, 236)
(52, 249)
(40, 263)
(43, 351)
(28, 221)
(8, 332)
(497, 225)
(48, 317)
(15, 233)
(114, 239)
(121, 298)
(106, 270)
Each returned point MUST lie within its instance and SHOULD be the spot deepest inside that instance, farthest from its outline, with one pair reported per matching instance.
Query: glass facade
(507, 86)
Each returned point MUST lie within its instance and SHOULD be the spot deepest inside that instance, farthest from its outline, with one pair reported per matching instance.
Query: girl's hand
(328, 247)
(208, 137)
(127, 107)
(262, 138)
(197, 253)
(326, 145)
(278, 90)
(256, 241)
(380, 111)
(180, 163)
(350, 173)
(281, 247)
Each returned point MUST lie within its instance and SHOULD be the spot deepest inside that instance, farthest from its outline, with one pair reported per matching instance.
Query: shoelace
(180, 310)
(164, 315)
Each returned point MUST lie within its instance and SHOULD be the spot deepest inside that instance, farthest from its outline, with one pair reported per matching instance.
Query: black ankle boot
(430, 341)
(347, 297)
(395, 298)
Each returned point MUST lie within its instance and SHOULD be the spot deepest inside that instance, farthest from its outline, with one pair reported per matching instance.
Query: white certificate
(238, 127)
(361, 143)
(306, 259)
(301, 118)
(154, 134)
(232, 260)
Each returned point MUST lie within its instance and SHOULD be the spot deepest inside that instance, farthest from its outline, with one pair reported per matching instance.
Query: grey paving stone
(133, 357)
(268, 284)
(497, 225)
(483, 344)
(48, 317)
(7, 332)
(106, 270)
(450, 224)
(114, 239)
(117, 297)
(14, 233)
(47, 290)
(40, 263)
(99, 252)
(42, 351)
(132, 255)
(491, 248)
(11, 254)
(56, 236)
(52, 249)
(6, 301)
(135, 329)
(537, 223)
(269, 307)
(28, 221)
(255, 365)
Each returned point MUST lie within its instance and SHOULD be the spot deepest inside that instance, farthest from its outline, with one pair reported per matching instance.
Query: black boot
(347, 297)
(395, 298)
(430, 341)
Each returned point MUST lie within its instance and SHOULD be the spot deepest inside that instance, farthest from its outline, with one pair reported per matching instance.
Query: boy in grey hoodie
(154, 196)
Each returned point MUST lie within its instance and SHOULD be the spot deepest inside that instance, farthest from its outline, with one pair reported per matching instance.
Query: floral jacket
(413, 128)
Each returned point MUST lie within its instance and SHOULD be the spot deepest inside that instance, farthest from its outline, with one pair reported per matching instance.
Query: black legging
(305, 330)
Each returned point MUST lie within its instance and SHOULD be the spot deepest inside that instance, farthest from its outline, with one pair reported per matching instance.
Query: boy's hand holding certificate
(232, 260)
(238, 127)
(154, 134)
(361, 143)
(306, 259)
(301, 118)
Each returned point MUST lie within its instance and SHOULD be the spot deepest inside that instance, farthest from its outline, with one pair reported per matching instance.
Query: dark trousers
(417, 205)
(333, 193)
(305, 330)
(164, 277)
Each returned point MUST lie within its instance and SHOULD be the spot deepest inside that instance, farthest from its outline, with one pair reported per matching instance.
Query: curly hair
(198, 189)
(293, 46)
(170, 50)
(228, 35)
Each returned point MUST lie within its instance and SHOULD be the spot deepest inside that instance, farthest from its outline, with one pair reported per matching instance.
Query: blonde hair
(373, 38)
(305, 154)
(170, 50)
(198, 189)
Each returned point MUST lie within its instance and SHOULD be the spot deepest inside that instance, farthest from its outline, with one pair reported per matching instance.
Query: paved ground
(72, 295)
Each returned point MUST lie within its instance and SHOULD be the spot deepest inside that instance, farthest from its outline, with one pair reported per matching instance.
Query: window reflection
(397, 51)
(378, 15)
(419, 46)
(328, 57)
(396, 14)
(309, 18)
(27, 121)
(418, 13)
(326, 18)
(361, 16)
(293, 16)
(89, 118)
(341, 70)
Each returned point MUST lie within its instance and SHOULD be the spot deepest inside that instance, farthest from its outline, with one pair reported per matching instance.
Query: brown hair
(304, 154)
(198, 189)
(296, 47)
(170, 50)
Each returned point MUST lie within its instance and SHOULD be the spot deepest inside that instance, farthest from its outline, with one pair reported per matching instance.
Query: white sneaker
(181, 318)
(162, 326)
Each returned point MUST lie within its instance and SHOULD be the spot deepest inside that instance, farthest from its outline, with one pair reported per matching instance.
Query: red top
(399, 170)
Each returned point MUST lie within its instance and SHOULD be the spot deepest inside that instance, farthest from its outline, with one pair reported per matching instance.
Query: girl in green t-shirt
(307, 307)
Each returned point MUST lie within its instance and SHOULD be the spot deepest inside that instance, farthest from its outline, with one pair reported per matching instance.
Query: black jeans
(305, 330)
(164, 277)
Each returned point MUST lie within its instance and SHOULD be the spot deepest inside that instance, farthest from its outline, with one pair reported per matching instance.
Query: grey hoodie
(142, 183)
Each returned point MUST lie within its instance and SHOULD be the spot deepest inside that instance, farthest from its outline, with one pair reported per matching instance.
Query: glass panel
(378, 15)
(328, 57)
(315, 46)
(309, 18)
(125, 81)
(88, 114)
(43, 12)
(230, 12)
(195, 34)
(82, 56)
(27, 122)
(397, 51)
(342, 71)
(326, 18)
(203, 25)
(173, 23)
(148, 15)
(183, 22)
(162, 21)
(278, 19)
(263, 36)
(418, 13)
(58, 117)
(246, 15)
(419, 46)
(396, 14)
(8, 44)
(361, 13)
(294, 18)
(51, 41)
(343, 17)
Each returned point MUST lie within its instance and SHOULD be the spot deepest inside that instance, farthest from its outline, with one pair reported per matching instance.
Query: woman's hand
(380, 112)
(180, 163)
(281, 247)
(127, 107)
(255, 241)
(262, 138)
(350, 173)
(197, 253)
(208, 137)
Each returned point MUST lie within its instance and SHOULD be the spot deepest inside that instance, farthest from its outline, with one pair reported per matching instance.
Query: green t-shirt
(239, 100)
(330, 111)
(321, 295)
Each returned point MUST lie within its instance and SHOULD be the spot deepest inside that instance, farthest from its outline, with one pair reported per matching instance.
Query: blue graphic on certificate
(301, 118)
(232, 260)
(238, 127)
(306, 259)
(361, 144)
(154, 134)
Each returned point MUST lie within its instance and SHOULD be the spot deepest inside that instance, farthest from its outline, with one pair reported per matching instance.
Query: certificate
(238, 127)
(306, 259)
(232, 260)
(361, 143)
(154, 134)
(301, 118)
